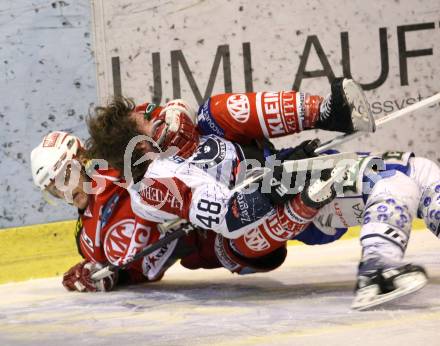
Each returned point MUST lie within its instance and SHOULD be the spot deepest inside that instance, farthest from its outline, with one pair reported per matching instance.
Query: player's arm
(78, 278)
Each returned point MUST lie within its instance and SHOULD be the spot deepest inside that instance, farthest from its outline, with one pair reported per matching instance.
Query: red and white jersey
(196, 189)
(107, 225)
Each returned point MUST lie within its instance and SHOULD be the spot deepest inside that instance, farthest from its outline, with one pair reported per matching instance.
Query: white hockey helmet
(51, 155)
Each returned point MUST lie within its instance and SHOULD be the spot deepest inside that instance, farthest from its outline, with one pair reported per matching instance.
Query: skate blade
(362, 116)
(368, 297)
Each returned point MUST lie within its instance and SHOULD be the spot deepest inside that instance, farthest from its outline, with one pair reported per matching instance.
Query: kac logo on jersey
(255, 240)
(239, 107)
(118, 239)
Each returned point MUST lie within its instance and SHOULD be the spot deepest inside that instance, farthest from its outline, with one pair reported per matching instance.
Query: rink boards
(305, 302)
(46, 250)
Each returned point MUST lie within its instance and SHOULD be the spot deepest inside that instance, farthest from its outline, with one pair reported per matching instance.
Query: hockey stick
(379, 123)
(111, 268)
(318, 163)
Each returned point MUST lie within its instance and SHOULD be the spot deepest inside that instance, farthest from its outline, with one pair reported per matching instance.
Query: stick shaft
(104, 272)
(426, 102)
(379, 123)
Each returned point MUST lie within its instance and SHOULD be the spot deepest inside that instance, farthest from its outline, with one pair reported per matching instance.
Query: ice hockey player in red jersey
(106, 222)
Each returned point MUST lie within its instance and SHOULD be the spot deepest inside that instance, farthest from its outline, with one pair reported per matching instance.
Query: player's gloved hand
(282, 190)
(302, 151)
(176, 127)
(79, 278)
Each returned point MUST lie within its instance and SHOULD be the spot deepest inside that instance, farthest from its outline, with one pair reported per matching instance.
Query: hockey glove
(79, 278)
(282, 189)
(175, 127)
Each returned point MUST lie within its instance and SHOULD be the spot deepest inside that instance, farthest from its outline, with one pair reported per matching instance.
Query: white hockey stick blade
(379, 123)
(338, 174)
(167, 225)
(369, 296)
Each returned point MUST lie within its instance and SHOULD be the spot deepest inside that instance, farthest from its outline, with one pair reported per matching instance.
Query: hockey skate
(375, 287)
(346, 109)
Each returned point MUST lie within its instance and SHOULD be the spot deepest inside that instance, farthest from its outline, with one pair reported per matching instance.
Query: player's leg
(426, 175)
(211, 250)
(345, 109)
(246, 116)
(382, 275)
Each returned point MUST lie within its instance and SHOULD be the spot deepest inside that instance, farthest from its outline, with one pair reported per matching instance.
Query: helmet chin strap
(88, 167)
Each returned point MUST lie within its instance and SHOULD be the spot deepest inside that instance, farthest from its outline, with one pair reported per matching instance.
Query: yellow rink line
(47, 250)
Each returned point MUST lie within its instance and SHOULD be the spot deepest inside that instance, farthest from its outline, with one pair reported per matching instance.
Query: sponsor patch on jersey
(87, 241)
(211, 153)
(154, 264)
(222, 255)
(338, 211)
(301, 108)
(277, 113)
(239, 107)
(163, 194)
(117, 239)
(206, 122)
(255, 240)
(177, 159)
(245, 209)
(279, 232)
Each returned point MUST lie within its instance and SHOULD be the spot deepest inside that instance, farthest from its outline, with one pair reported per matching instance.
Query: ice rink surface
(306, 302)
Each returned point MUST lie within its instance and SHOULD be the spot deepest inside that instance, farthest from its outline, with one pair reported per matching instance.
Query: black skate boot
(346, 109)
(376, 286)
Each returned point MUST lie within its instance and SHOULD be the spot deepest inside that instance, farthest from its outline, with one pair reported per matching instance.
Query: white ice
(305, 302)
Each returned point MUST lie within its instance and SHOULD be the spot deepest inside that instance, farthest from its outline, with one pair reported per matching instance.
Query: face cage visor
(65, 182)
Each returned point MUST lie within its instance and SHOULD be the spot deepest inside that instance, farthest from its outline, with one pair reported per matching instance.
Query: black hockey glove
(283, 190)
